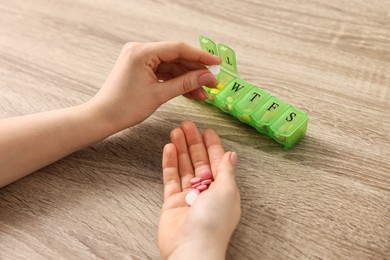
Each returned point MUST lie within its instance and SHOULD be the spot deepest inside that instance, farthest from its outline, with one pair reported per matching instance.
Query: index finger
(170, 51)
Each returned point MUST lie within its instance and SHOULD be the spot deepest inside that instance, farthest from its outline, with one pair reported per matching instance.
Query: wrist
(202, 248)
(94, 123)
(114, 114)
(104, 115)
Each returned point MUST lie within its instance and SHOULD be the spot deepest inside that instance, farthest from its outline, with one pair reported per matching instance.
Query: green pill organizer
(267, 114)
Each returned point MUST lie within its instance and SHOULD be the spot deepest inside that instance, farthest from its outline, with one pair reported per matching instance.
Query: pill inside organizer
(215, 69)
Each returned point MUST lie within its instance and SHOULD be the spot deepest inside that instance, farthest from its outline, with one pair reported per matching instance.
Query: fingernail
(233, 158)
(207, 79)
(219, 58)
(205, 94)
(206, 174)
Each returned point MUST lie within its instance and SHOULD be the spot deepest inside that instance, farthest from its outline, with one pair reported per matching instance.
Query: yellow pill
(229, 99)
(220, 86)
(214, 91)
(246, 118)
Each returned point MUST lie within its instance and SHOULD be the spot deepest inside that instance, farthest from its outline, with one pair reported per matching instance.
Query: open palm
(216, 212)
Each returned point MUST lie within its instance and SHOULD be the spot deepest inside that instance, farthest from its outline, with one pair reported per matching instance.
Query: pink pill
(206, 174)
(206, 182)
(202, 187)
(195, 180)
(195, 185)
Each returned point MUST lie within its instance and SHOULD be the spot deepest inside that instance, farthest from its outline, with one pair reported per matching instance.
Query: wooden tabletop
(328, 198)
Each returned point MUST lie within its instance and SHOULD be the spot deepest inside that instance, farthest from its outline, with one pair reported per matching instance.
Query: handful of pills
(198, 185)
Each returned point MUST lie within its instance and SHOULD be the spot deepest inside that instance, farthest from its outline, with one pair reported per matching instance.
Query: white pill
(215, 69)
(191, 196)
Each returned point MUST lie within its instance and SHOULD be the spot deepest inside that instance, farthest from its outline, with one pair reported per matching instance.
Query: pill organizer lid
(228, 57)
(208, 45)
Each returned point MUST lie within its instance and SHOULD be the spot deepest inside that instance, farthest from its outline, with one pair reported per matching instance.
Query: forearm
(205, 249)
(28, 143)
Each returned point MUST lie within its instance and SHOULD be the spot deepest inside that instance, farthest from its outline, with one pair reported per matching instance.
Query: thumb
(186, 83)
(226, 169)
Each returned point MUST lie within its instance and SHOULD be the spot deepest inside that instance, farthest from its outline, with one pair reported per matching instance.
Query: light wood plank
(329, 197)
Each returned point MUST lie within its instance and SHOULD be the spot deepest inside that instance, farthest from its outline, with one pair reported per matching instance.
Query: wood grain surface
(327, 198)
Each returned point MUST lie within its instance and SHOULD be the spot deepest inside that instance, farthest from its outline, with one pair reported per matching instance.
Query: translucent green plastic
(269, 115)
(290, 127)
(265, 115)
(229, 95)
(245, 108)
(208, 45)
(228, 58)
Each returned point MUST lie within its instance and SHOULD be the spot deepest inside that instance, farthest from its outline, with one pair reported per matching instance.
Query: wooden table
(329, 197)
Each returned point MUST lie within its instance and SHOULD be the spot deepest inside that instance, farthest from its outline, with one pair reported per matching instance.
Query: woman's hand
(202, 230)
(146, 75)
